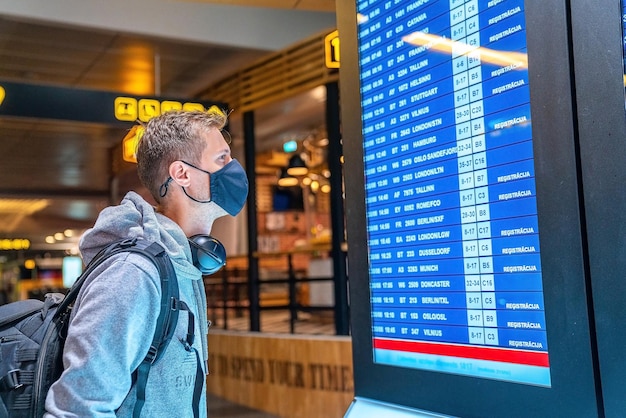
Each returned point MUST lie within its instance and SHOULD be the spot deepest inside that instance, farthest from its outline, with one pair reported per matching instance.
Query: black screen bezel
(598, 63)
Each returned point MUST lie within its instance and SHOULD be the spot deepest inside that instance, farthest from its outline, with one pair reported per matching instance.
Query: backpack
(32, 335)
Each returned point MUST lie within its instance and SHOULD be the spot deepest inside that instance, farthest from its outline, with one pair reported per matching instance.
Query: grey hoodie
(114, 319)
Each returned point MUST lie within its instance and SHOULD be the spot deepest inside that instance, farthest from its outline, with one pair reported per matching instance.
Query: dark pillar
(335, 151)
(253, 262)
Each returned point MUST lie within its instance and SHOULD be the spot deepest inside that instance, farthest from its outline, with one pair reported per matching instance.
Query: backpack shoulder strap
(168, 314)
(166, 322)
(169, 284)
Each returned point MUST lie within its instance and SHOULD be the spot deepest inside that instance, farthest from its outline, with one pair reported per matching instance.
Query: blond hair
(172, 136)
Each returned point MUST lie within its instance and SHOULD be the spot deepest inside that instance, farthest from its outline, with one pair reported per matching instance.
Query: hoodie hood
(133, 218)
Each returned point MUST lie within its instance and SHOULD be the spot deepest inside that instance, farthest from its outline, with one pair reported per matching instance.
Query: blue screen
(453, 238)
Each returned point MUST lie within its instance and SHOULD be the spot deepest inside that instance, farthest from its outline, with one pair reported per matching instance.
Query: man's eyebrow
(223, 151)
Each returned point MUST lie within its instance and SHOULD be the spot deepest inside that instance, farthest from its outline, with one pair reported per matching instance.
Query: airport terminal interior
(433, 224)
(59, 172)
(60, 168)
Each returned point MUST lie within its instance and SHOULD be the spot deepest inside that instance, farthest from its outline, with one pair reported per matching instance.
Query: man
(185, 163)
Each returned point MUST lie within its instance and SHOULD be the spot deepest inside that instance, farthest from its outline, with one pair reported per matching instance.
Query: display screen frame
(563, 258)
(598, 65)
(623, 9)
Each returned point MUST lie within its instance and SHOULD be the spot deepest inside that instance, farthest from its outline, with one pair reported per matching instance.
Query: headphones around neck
(209, 255)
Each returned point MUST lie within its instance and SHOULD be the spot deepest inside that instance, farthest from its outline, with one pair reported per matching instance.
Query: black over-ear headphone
(209, 255)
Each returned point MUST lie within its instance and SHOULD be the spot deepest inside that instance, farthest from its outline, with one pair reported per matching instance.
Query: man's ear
(179, 172)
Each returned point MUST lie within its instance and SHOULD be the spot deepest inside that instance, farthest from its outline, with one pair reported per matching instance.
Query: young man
(185, 163)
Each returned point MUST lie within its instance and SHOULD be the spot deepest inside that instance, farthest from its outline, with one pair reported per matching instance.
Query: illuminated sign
(290, 146)
(12, 244)
(130, 109)
(130, 143)
(331, 49)
(48, 102)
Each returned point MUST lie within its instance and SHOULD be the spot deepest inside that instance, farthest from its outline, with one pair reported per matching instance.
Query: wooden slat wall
(281, 75)
(288, 376)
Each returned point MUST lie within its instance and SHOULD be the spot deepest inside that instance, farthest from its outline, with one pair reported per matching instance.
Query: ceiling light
(27, 206)
(319, 94)
(287, 180)
(297, 167)
(50, 239)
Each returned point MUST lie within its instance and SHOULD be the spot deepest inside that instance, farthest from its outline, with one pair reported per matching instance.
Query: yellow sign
(168, 105)
(148, 108)
(2, 94)
(130, 143)
(193, 106)
(14, 244)
(129, 109)
(331, 49)
(216, 110)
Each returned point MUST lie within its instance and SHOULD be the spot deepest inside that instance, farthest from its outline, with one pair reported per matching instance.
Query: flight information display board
(453, 237)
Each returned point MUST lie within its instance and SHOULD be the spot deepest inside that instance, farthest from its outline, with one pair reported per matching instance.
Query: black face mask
(209, 255)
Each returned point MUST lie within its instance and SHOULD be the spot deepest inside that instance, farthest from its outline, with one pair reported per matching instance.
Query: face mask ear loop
(210, 181)
(193, 198)
(164, 186)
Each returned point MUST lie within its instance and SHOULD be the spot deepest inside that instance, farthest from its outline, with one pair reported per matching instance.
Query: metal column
(335, 151)
(253, 262)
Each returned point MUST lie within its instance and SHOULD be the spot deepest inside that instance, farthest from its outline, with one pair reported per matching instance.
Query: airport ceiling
(57, 175)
